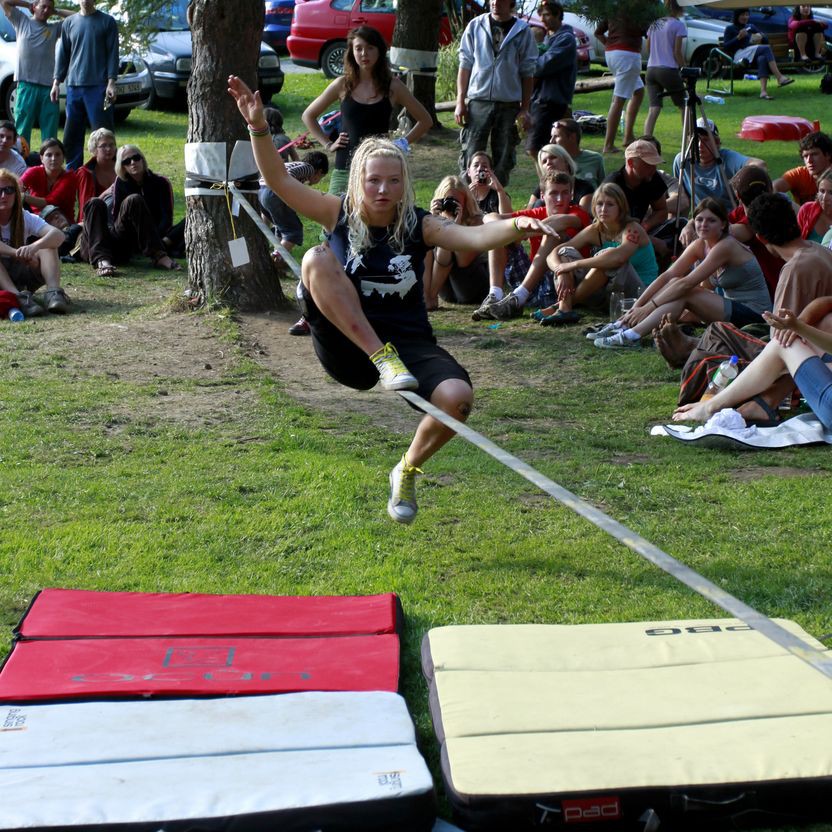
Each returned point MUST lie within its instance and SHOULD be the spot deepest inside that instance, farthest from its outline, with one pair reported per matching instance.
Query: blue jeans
(814, 378)
(284, 219)
(83, 104)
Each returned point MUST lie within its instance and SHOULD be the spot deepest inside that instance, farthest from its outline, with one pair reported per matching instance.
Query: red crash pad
(74, 613)
(776, 128)
(220, 666)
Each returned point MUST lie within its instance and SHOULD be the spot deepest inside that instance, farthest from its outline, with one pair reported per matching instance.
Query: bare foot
(613, 149)
(672, 343)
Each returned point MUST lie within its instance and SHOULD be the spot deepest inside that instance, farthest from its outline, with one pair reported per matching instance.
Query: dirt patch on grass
(757, 472)
(292, 360)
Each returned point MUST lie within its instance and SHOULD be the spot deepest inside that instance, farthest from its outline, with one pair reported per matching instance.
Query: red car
(320, 28)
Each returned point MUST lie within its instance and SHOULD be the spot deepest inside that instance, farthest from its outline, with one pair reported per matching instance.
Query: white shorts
(626, 68)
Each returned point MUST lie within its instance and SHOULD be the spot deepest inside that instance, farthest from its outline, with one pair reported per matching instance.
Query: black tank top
(359, 121)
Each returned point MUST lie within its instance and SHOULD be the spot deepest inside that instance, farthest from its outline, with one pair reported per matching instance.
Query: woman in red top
(99, 173)
(815, 217)
(50, 183)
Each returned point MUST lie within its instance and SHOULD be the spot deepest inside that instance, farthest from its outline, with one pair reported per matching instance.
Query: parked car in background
(170, 55)
(320, 28)
(133, 85)
(278, 22)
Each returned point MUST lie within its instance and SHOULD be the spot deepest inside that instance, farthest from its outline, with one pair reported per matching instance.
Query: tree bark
(226, 41)
(417, 27)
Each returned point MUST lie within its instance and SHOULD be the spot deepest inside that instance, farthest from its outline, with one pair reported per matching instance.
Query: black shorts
(742, 316)
(348, 365)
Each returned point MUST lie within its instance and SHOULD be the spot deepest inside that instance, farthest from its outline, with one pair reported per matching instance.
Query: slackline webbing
(267, 232)
(641, 546)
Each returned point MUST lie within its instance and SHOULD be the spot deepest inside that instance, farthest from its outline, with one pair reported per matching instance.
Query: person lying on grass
(801, 350)
(364, 293)
(622, 259)
(715, 260)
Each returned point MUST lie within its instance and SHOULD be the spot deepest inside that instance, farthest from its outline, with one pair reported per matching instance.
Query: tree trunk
(417, 27)
(226, 41)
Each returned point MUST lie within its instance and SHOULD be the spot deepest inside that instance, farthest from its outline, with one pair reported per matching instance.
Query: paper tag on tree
(238, 251)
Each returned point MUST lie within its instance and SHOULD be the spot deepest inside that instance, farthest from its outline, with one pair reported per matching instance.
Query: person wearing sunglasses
(140, 218)
(28, 253)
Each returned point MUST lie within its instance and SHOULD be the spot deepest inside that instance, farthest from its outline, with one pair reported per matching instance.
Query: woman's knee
(318, 264)
(455, 396)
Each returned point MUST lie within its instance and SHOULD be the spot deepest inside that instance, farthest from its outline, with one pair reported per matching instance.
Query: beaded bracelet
(253, 131)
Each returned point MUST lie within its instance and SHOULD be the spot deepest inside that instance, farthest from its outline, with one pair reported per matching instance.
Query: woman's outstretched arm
(323, 208)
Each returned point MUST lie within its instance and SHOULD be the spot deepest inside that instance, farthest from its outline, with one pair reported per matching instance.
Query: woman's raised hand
(248, 102)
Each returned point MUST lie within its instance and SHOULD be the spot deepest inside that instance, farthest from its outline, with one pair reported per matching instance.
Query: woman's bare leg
(337, 298)
(758, 376)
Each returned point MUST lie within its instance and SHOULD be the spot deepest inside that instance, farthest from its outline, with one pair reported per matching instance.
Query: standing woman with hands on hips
(367, 92)
(364, 293)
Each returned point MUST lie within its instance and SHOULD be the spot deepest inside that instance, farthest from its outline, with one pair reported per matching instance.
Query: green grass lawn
(148, 449)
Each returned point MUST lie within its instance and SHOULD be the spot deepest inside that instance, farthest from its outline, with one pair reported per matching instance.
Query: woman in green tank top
(621, 259)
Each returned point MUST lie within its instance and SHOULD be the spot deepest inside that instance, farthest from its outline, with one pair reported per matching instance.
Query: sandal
(785, 82)
(766, 97)
(772, 416)
(105, 269)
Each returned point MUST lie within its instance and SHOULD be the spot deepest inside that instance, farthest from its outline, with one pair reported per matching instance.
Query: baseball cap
(47, 210)
(751, 181)
(644, 150)
(704, 124)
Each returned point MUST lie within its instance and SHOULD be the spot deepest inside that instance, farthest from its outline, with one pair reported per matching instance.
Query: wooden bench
(720, 66)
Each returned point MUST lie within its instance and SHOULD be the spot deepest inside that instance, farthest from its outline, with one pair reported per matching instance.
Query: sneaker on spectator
(28, 305)
(604, 331)
(402, 503)
(617, 341)
(56, 301)
(508, 307)
(299, 327)
(484, 312)
(392, 373)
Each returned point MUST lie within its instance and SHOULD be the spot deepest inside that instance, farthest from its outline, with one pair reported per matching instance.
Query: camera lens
(450, 205)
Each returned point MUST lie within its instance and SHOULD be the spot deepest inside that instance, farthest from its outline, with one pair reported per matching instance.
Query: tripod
(690, 144)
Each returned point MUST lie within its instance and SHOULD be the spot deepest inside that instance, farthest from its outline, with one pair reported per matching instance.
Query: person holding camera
(746, 44)
(458, 276)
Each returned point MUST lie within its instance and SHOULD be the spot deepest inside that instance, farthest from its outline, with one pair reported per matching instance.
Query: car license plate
(129, 89)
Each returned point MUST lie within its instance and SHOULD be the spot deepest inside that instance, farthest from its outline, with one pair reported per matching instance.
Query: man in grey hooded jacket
(497, 60)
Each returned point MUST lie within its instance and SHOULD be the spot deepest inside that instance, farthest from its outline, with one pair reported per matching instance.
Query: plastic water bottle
(15, 315)
(714, 99)
(750, 76)
(724, 375)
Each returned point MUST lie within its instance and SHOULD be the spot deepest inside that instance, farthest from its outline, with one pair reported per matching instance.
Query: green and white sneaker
(392, 374)
(617, 341)
(483, 313)
(507, 308)
(402, 503)
(604, 331)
